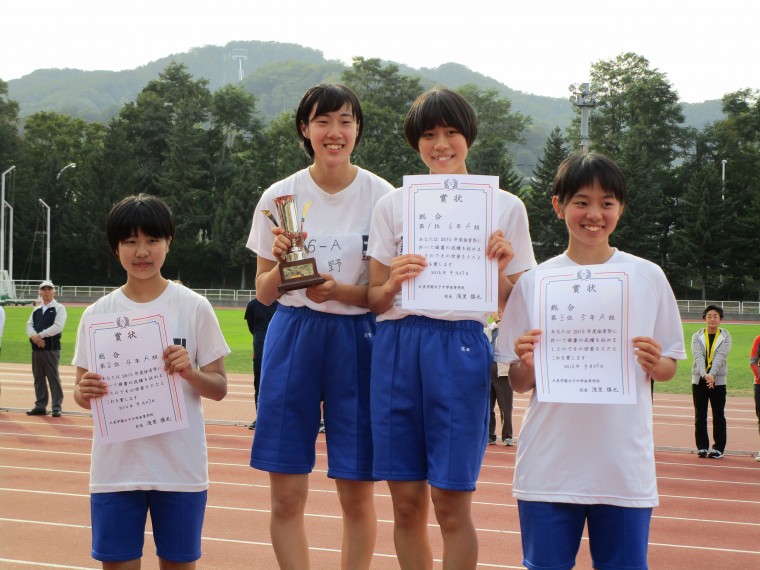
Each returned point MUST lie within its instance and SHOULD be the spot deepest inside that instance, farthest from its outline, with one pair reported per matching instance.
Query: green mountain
(278, 74)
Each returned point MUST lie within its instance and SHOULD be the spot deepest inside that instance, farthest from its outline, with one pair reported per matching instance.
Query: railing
(88, 293)
(29, 290)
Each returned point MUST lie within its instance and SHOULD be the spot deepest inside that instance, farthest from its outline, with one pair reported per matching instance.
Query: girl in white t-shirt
(590, 463)
(431, 369)
(165, 474)
(319, 343)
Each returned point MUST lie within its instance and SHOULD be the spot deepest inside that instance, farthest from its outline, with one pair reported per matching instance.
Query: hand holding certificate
(127, 349)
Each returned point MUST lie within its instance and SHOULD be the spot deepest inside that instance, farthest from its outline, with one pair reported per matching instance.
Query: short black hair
(144, 212)
(440, 107)
(327, 97)
(715, 308)
(582, 170)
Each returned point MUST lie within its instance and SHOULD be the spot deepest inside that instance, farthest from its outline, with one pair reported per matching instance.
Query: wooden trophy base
(298, 274)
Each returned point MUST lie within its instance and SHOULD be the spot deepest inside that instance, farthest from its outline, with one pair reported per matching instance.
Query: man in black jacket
(258, 315)
(44, 329)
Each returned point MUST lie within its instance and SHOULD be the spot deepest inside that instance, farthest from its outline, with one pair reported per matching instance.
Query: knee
(359, 509)
(409, 513)
(451, 516)
(288, 505)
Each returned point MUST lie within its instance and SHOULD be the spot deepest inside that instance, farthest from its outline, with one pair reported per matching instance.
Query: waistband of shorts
(419, 321)
(308, 313)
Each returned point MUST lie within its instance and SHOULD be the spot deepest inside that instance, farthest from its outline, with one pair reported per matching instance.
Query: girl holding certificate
(431, 368)
(585, 461)
(165, 474)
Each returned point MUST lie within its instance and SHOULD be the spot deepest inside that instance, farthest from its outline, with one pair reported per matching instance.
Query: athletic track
(709, 516)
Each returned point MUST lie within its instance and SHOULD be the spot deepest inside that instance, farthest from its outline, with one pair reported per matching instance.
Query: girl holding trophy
(319, 344)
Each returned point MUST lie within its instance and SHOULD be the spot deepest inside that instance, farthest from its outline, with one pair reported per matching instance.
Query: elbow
(220, 393)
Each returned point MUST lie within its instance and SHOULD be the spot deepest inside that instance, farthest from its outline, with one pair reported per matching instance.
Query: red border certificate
(143, 400)
(448, 218)
(585, 354)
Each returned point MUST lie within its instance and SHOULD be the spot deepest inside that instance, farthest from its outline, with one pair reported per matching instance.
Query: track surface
(709, 516)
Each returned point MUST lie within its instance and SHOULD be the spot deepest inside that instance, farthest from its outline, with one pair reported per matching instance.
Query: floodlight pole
(723, 179)
(10, 239)
(2, 220)
(47, 240)
(585, 100)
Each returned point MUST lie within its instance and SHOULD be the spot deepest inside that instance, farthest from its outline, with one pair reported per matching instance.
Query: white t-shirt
(386, 237)
(593, 453)
(337, 226)
(174, 461)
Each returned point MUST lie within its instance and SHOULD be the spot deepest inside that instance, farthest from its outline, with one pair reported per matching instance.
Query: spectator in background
(501, 391)
(258, 315)
(754, 356)
(710, 347)
(44, 329)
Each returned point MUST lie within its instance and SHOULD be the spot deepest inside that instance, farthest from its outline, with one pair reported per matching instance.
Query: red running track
(709, 517)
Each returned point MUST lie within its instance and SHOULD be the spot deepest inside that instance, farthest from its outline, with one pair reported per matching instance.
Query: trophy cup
(297, 271)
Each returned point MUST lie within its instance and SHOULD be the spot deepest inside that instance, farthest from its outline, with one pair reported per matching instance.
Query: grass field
(15, 347)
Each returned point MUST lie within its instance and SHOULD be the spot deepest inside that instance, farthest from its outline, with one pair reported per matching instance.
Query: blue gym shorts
(311, 357)
(551, 535)
(118, 524)
(430, 394)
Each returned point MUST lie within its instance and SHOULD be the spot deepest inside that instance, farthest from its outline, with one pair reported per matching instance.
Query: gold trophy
(297, 271)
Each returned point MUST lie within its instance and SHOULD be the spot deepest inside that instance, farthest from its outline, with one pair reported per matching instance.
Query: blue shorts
(551, 535)
(118, 524)
(311, 357)
(430, 394)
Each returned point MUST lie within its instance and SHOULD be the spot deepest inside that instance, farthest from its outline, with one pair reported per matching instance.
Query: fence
(240, 297)
(90, 293)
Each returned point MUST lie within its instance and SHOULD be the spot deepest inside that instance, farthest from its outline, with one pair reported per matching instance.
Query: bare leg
(357, 499)
(460, 541)
(126, 565)
(410, 520)
(169, 565)
(288, 494)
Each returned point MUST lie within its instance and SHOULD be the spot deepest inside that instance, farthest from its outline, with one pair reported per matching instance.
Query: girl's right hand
(526, 345)
(403, 268)
(91, 386)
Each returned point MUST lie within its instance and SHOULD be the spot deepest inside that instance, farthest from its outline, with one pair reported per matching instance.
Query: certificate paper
(448, 219)
(585, 353)
(127, 350)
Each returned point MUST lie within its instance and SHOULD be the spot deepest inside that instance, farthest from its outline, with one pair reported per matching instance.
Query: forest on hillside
(211, 152)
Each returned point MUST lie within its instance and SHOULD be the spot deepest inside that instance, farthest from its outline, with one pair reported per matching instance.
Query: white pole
(47, 241)
(2, 220)
(10, 240)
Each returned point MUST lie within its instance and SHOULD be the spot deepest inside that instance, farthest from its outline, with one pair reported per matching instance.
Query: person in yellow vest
(710, 347)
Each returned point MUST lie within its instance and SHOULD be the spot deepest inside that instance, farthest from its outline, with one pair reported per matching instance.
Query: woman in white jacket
(710, 347)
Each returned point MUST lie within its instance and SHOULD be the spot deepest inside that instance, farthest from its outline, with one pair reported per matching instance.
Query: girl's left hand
(647, 352)
(326, 291)
(500, 248)
(177, 359)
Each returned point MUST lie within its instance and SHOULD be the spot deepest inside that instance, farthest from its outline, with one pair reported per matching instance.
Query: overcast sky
(706, 48)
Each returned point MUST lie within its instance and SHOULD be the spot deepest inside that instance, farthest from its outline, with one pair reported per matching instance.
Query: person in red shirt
(754, 356)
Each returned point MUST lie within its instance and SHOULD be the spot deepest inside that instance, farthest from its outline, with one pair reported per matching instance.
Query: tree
(637, 123)
(51, 141)
(8, 128)
(498, 127)
(736, 139)
(698, 242)
(386, 96)
(547, 231)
